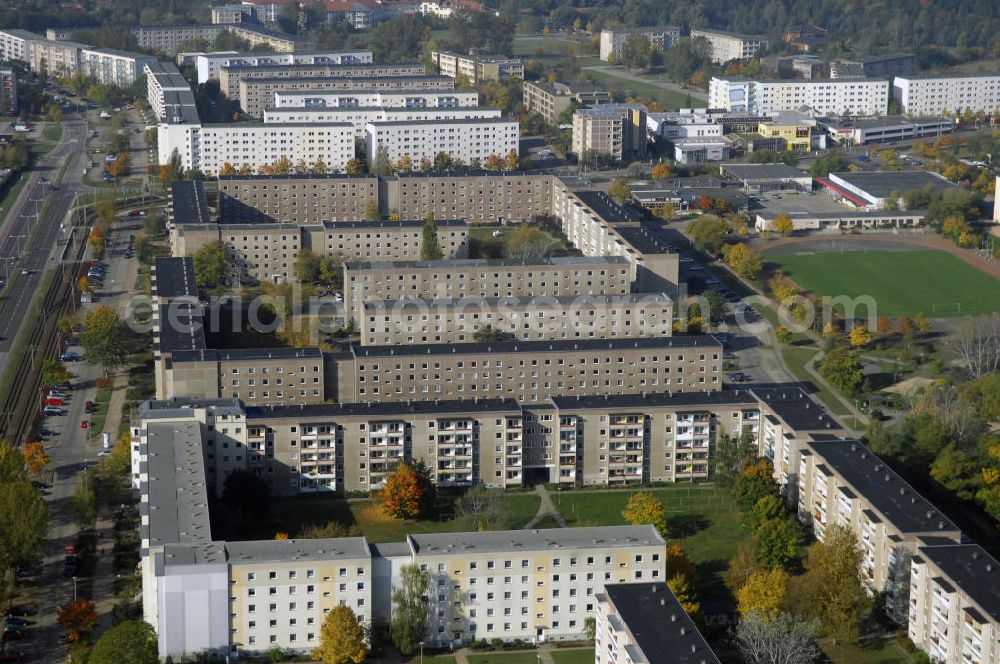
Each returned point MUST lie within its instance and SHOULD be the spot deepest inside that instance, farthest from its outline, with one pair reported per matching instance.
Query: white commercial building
(726, 46)
(464, 140)
(661, 37)
(359, 118)
(209, 147)
(111, 67)
(385, 98)
(825, 97)
(920, 95)
(209, 65)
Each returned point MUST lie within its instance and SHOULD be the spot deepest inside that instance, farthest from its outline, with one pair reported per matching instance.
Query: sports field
(933, 283)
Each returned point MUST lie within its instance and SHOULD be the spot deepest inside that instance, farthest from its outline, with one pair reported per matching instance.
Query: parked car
(45, 431)
(72, 341)
(57, 393)
(65, 387)
(103, 453)
(69, 549)
(23, 622)
(85, 424)
(21, 610)
(13, 636)
(53, 410)
(70, 356)
(55, 401)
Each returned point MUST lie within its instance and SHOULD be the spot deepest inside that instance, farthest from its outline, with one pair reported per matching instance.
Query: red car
(55, 401)
(69, 549)
(89, 405)
(85, 424)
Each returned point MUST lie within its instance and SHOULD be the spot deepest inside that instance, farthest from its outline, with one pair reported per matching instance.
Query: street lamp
(74, 589)
(421, 652)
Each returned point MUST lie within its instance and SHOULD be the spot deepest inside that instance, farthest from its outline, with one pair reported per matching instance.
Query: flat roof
(174, 277)
(856, 122)
(310, 66)
(546, 539)
(267, 80)
(609, 110)
(245, 354)
(539, 301)
(337, 93)
(181, 327)
(753, 172)
(881, 486)
(642, 239)
(660, 626)
(726, 33)
(222, 55)
(470, 263)
(929, 77)
(880, 184)
(296, 176)
(973, 570)
(188, 202)
(606, 207)
(388, 110)
(381, 409)
(638, 401)
(295, 550)
(559, 346)
(458, 121)
(155, 408)
(797, 408)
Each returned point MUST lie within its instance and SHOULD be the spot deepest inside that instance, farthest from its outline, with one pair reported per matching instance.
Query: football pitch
(930, 282)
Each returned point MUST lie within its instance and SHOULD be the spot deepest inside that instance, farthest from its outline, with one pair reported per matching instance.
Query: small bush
(102, 383)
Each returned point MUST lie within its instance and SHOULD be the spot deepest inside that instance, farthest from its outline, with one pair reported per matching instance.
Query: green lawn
(934, 283)
(668, 98)
(702, 518)
(484, 245)
(432, 659)
(505, 658)
(575, 656)
(52, 132)
(547, 522)
(874, 651)
(291, 514)
(532, 45)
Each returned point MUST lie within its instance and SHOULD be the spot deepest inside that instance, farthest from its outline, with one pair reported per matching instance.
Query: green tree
(831, 590)
(103, 339)
(54, 371)
(430, 246)
(763, 593)
(489, 333)
(733, 453)
(636, 52)
(341, 638)
(743, 563)
(957, 470)
(826, 164)
(755, 482)
(528, 244)
(619, 190)
(843, 369)
(409, 614)
(307, 265)
(767, 508)
(130, 642)
(777, 541)
(746, 262)
(644, 508)
(211, 263)
(708, 234)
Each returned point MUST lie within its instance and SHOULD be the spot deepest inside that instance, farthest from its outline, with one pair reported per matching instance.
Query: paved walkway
(666, 85)
(545, 508)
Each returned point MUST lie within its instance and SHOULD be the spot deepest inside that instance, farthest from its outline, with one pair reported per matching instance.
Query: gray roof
(931, 77)
(726, 33)
(330, 67)
(663, 631)
(185, 407)
(883, 488)
(797, 409)
(553, 539)
(293, 550)
(974, 571)
(880, 184)
(246, 354)
(540, 301)
(754, 172)
(188, 202)
(556, 347)
(640, 401)
(180, 327)
(460, 121)
(296, 176)
(865, 122)
(382, 409)
(470, 263)
(174, 277)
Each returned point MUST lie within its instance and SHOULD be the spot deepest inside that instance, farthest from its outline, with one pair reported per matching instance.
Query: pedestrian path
(546, 508)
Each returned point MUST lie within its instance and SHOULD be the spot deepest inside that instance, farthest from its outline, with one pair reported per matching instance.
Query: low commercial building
(465, 140)
(727, 46)
(874, 189)
(569, 276)
(360, 117)
(267, 252)
(210, 147)
(842, 220)
(256, 94)
(645, 622)
(856, 96)
(875, 66)
(444, 98)
(458, 320)
(8, 92)
(861, 131)
(701, 149)
(842, 483)
(937, 95)
(756, 178)
(231, 75)
(954, 612)
(659, 37)
(475, 69)
(616, 131)
(168, 93)
(110, 67)
(551, 101)
(209, 65)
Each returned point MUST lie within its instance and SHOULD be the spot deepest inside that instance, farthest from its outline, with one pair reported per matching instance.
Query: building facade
(824, 97)
(466, 140)
(659, 37)
(111, 67)
(727, 46)
(445, 98)
(361, 117)
(476, 68)
(617, 131)
(928, 95)
(296, 199)
(551, 101)
(257, 94)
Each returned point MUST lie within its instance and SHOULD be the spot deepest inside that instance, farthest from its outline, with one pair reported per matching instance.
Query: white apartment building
(460, 139)
(111, 67)
(168, 92)
(361, 117)
(60, 58)
(726, 46)
(954, 612)
(643, 623)
(928, 95)
(15, 44)
(661, 37)
(208, 65)
(477, 68)
(825, 97)
(209, 147)
(383, 98)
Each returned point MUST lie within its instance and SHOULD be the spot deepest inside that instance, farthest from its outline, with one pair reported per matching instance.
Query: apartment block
(267, 252)
(480, 278)
(464, 140)
(842, 483)
(15, 44)
(361, 117)
(56, 58)
(954, 612)
(169, 93)
(617, 131)
(550, 101)
(230, 77)
(256, 94)
(111, 67)
(659, 37)
(483, 197)
(844, 96)
(929, 95)
(209, 147)
(876, 66)
(475, 69)
(295, 199)
(726, 46)
(444, 98)
(529, 371)
(420, 321)
(8, 92)
(168, 38)
(209, 65)
(234, 13)
(641, 623)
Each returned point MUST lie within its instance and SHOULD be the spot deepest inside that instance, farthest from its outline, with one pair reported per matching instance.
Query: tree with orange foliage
(78, 618)
(35, 457)
(96, 240)
(227, 169)
(511, 161)
(493, 163)
(119, 166)
(660, 171)
(408, 493)
(280, 536)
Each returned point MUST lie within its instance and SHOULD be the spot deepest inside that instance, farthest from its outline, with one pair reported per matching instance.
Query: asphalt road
(27, 243)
